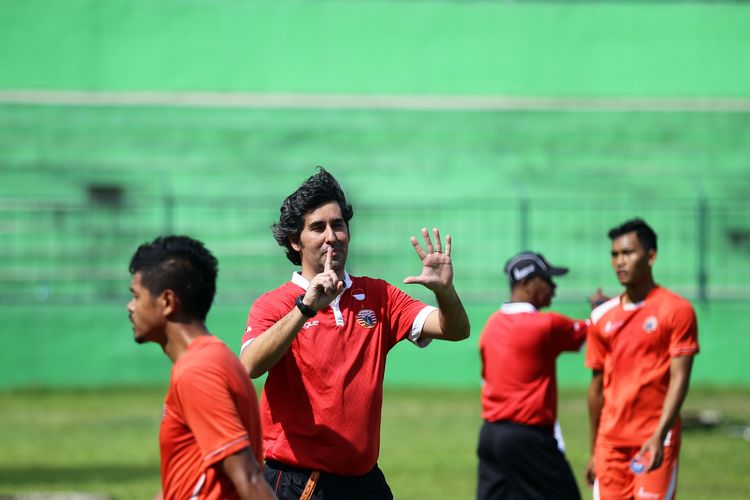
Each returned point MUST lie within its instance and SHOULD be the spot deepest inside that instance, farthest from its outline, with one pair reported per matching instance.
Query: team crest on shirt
(649, 326)
(367, 318)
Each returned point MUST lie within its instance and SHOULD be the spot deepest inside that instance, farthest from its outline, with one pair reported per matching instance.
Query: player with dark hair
(640, 348)
(210, 430)
(519, 456)
(323, 338)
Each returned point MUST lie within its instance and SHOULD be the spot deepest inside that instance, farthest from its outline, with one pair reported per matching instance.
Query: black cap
(528, 264)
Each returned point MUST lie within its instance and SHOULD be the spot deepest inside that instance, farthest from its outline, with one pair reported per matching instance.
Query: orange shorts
(615, 480)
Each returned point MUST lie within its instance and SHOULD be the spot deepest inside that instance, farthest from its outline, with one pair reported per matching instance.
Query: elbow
(253, 369)
(251, 365)
(459, 334)
(465, 333)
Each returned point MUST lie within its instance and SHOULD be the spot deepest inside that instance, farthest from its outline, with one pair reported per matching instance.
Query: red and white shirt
(633, 344)
(321, 403)
(210, 412)
(519, 347)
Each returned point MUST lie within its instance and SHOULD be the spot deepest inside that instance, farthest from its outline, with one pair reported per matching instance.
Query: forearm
(595, 403)
(454, 322)
(679, 382)
(270, 346)
(247, 476)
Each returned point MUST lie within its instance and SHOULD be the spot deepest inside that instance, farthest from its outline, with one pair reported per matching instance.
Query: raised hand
(324, 287)
(597, 298)
(437, 268)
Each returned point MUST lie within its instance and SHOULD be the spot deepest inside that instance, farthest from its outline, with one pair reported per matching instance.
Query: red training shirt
(322, 401)
(633, 344)
(210, 412)
(519, 347)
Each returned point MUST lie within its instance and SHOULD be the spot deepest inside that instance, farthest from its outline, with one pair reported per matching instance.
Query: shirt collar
(517, 307)
(302, 282)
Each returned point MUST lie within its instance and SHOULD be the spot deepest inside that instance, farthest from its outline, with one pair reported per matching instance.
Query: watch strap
(303, 308)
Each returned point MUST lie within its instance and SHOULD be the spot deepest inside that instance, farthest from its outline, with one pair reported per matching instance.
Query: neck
(179, 337)
(637, 293)
(521, 296)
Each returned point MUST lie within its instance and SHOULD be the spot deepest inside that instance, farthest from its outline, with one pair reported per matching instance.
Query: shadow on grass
(47, 476)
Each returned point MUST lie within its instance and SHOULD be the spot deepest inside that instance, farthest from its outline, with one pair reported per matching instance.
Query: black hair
(646, 235)
(180, 264)
(317, 190)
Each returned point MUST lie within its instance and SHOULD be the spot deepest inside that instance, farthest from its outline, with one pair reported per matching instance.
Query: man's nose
(330, 234)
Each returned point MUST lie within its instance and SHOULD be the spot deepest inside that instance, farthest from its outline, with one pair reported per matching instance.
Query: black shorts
(288, 483)
(522, 462)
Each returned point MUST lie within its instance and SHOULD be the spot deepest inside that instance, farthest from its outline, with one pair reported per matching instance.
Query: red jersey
(519, 348)
(211, 412)
(633, 344)
(322, 401)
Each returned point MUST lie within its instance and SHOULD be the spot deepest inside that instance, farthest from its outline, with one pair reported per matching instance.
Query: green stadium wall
(673, 49)
(219, 172)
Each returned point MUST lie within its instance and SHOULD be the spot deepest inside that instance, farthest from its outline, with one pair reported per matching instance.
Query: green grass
(106, 441)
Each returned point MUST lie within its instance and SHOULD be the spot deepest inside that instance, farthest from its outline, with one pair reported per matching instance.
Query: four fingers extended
(428, 244)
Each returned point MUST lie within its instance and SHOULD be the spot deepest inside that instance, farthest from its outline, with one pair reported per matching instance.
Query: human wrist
(304, 308)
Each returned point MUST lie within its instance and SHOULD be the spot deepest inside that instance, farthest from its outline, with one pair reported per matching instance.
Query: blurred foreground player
(323, 338)
(519, 457)
(210, 429)
(641, 347)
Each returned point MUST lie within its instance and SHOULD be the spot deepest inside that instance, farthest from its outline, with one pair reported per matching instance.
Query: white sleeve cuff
(416, 327)
(246, 344)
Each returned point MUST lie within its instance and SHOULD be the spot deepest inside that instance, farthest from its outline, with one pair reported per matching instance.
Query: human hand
(324, 287)
(437, 268)
(597, 298)
(651, 453)
(590, 472)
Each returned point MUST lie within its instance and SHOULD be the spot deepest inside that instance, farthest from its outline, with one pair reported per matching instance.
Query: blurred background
(509, 125)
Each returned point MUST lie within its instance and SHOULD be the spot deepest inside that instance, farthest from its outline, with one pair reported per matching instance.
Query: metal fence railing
(77, 251)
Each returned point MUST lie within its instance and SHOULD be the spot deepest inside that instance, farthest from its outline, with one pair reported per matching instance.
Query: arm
(271, 345)
(679, 381)
(596, 402)
(246, 475)
(450, 321)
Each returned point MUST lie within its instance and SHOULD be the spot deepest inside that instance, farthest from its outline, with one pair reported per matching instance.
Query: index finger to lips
(329, 254)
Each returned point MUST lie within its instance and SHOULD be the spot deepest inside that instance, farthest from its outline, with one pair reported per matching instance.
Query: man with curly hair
(323, 338)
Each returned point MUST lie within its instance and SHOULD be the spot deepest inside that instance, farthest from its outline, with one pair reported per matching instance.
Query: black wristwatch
(304, 309)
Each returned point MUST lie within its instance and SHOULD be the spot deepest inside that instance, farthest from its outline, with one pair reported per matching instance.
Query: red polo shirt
(519, 347)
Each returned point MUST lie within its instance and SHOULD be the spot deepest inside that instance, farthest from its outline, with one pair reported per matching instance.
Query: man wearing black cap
(519, 456)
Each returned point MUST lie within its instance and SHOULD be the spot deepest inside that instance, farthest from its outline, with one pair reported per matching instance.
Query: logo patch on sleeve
(367, 318)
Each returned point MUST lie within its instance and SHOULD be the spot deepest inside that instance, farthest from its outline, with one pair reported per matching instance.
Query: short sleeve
(568, 334)
(211, 413)
(595, 351)
(402, 312)
(264, 313)
(684, 335)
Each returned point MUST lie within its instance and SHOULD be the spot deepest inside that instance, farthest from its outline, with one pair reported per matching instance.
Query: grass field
(105, 441)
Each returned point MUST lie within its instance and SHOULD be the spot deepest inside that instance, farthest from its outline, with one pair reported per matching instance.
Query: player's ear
(651, 256)
(294, 242)
(169, 302)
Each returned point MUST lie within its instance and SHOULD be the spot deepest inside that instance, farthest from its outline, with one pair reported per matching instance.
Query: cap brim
(557, 271)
